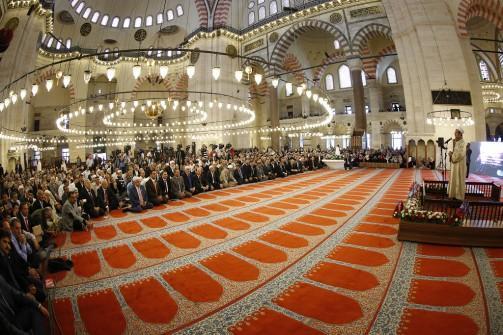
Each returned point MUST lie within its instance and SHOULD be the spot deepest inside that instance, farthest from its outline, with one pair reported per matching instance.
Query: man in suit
(24, 217)
(164, 186)
(153, 191)
(90, 203)
(199, 181)
(213, 179)
(71, 215)
(18, 168)
(20, 313)
(40, 203)
(188, 180)
(238, 173)
(106, 197)
(138, 196)
(178, 186)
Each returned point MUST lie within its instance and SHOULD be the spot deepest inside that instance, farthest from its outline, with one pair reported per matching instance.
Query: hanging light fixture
(163, 71)
(309, 94)
(23, 93)
(275, 82)
(87, 76)
(238, 75)
(59, 74)
(13, 98)
(7, 102)
(300, 90)
(315, 97)
(34, 89)
(216, 72)
(48, 84)
(66, 80)
(2, 106)
(110, 73)
(248, 69)
(258, 78)
(136, 71)
(191, 71)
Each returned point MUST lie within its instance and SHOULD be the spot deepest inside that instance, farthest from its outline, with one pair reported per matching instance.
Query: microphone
(446, 142)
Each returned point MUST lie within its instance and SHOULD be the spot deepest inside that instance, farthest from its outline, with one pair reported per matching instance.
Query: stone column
(274, 110)
(355, 65)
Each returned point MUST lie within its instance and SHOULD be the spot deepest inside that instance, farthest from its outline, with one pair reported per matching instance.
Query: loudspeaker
(440, 141)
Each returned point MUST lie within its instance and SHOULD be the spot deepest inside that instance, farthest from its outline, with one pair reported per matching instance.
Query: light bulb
(275, 82)
(66, 80)
(315, 97)
(7, 102)
(136, 71)
(309, 94)
(300, 90)
(59, 74)
(34, 89)
(248, 69)
(48, 84)
(110, 73)
(13, 98)
(215, 72)
(189, 103)
(23, 93)
(135, 103)
(200, 104)
(163, 71)
(238, 75)
(87, 76)
(111, 105)
(191, 70)
(258, 78)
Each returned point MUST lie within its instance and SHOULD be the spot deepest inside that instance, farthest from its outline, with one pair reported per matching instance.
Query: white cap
(460, 130)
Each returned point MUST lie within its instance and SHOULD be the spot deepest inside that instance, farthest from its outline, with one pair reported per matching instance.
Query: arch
(412, 149)
(152, 80)
(421, 151)
(221, 14)
(391, 125)
(370, 64)
(51, 73)
(287, 39)
(431, 151)
(292, 63)
(498, 133)
(202, 12)
(367, 33)
(320, 71)
(491, 10)
(182, 84)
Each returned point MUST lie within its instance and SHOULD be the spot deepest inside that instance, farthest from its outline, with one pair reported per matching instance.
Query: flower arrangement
(334, 157)
(410, 211)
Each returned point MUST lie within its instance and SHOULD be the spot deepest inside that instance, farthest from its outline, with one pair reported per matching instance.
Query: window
(170, 15)
(484, 71)
(65, 154)
(289, 111)
(337, 45)
(366, 140)
(179, 10)
(286, 3)
(364, 78)
(126, 23)
(87, 12)
(137, 22)
(391, 74)
(36, 155)
(36, 125)
(330, 143)
(116, 52)
(251, 18)
(261, 13)
(104, 20)
(346, 141)
(500, 57)
(348, 110)
(74, 3)
(396, 140)
(289, 90)
(149, 21)
(107, 51)
(80, 7)
(251, 4)
(115, 22)
(329, 82)
(344, 76)
(68, 43)
(96, 16)
(367, 109)
(395, 107)
(160, 18)
(58, 45)
(49, 43)
(273, 8)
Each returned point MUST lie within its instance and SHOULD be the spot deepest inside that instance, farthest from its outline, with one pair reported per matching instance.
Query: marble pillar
(360, 126)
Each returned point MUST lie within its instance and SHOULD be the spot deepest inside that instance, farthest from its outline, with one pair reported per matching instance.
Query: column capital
(355, 64)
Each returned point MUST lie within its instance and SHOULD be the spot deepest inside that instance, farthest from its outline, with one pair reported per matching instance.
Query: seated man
(138, 196)
(89, 201)
(164, 186)
(71, 215)
(188, 180)
(213, 179)
(107, 197)
(178, 186)
(153, 191)
(199, 181)
(19, 313)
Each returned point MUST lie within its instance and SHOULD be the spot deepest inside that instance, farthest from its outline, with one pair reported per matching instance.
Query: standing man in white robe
(457, 158)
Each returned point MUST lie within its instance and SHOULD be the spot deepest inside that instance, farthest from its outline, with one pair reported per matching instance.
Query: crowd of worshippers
(353, 158)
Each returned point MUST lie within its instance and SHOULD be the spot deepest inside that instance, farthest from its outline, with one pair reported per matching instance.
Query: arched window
(104, 20)
(74, 3)
(107, 53)
(179, 10)
(137, 22)
(337, 45)
(261, 13)
(170, 15)
(115, 22)
(251, 18)
(80, 7)
(160, 18)
(96, 16)
(58, 45)
(329, 82)
(149, 21)
(251, 4)
(150, 52)
(273, 7)
(116, 52)
(127, 22)
(68, 43)
(87, 12)
(49, 43)
(286, 3)
(484, 71)
(344, 76)
(364, 78)
(500, 57)
(391, 74)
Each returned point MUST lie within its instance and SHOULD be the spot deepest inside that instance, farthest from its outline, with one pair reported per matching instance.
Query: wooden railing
(380, 165)
(475, 190)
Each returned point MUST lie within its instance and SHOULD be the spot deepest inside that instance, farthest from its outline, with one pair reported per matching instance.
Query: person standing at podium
(457, 157)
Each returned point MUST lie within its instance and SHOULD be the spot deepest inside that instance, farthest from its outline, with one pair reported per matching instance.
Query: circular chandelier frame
(450, 118)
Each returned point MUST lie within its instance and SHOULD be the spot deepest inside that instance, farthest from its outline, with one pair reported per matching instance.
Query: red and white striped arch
(491, 10)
